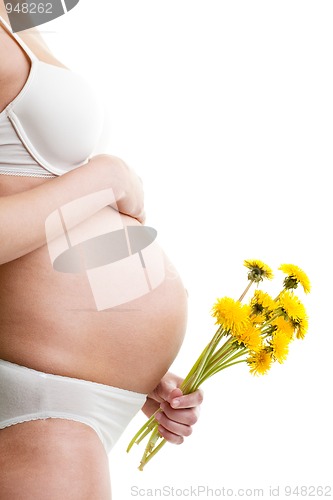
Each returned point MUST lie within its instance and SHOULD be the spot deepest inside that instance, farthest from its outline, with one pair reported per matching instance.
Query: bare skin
(57, 329)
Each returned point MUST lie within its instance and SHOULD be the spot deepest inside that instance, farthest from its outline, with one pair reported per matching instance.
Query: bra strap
(24, 46)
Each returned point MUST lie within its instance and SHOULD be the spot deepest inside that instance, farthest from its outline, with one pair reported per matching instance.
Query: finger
(142, 217)
(172, 426)
(188, 416)
(169, 436)
(188, 400)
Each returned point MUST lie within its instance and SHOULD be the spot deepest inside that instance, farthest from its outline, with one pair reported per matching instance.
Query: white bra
(53, 125)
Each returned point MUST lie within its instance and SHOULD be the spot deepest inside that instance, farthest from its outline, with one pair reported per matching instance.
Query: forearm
(23, 215)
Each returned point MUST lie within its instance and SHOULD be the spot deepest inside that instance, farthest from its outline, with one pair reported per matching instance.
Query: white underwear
(27, 394)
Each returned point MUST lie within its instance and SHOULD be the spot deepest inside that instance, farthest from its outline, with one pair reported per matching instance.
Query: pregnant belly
(113, 311)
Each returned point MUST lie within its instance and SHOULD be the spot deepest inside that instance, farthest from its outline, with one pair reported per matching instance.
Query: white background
(225, 110)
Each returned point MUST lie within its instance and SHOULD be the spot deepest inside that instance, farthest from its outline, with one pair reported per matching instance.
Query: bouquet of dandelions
(258, 333)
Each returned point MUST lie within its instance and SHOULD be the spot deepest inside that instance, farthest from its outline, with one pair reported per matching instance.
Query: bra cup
(58, 118)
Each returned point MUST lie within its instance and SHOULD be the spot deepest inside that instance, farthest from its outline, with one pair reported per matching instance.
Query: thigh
(53, 459)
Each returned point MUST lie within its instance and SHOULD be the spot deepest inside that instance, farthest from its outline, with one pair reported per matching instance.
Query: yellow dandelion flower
(301, 328)
(280, 345)
(284, 325)
(259, 362)
(231, 314)
(259, 319)
(250, 337)
(291, 305)
(295, 275)
(262, 300)
(258, 270)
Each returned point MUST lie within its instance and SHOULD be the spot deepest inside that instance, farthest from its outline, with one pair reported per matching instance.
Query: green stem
(226, 356)
(222, 368)
(144, 430)
(233, 363)
(154, 437)
(223, 349)
(245, 291)
(199, 366)
(199, 360)
(145, 459)
(225, 361)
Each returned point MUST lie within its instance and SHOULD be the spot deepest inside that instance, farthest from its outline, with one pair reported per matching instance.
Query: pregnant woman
(86, 337)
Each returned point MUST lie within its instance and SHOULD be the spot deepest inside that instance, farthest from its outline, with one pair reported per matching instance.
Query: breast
(58, 118)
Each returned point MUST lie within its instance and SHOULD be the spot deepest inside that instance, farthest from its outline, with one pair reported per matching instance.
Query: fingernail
(175, 402)
(158, 416)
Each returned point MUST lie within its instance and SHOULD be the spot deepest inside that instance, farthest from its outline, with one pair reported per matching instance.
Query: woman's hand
(179, 412)
(125, 183)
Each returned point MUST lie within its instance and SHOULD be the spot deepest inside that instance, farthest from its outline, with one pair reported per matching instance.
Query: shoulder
(3, 12)
(32, 38)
